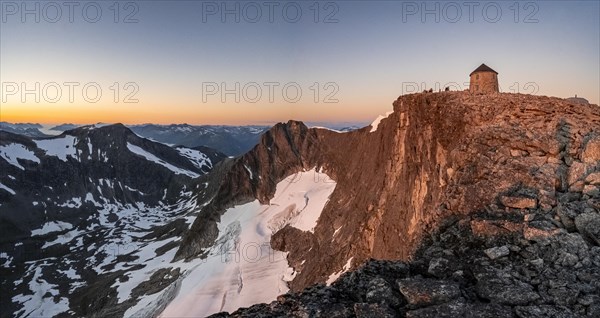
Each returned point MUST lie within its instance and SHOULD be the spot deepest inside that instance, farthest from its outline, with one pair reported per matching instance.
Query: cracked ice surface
(242, 269)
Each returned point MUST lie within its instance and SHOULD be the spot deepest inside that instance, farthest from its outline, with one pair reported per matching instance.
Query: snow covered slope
(241, 269)
(84, 217)
(378, 120)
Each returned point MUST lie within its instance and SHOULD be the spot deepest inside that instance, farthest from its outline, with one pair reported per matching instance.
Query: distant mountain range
(230, 140)
(65, 127)
(30, 130)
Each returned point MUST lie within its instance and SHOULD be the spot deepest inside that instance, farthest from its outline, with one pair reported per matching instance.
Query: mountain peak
(438, 155)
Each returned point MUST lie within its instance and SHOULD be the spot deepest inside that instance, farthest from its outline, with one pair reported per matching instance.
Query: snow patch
(199, 159)
(150, 157)
(90, 198)
(5, 260)
(330, 129)
(333, 277)
(249, 172)
(74, 203)
(377, 120)
(63, 239)
(50, 227)
(9, 190)
(335, 232)
(39, 304)
(59, 147)
(12, 152)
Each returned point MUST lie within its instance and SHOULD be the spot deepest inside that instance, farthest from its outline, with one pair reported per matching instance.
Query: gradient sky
(372, 55)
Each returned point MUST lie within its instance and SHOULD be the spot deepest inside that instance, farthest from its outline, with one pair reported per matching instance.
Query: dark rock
(424, 292)
(488, 311)
(505, 291)
(380, 291)
(438, 267)
(452, 309)
(564, 296)
(567, 217)
(363, 310)
(588, 224)
(497, 252)
(544, 311)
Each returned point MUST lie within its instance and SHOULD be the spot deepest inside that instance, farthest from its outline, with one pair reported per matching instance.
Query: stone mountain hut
(483, 80)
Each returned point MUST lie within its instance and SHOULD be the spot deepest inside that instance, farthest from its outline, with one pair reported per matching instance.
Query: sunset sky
(370, 53)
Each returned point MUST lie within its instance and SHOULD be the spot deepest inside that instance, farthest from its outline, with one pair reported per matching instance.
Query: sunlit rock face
(485, 205)
(437, 156)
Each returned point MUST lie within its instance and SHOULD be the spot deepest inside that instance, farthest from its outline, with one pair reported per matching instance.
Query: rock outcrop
(436, 159)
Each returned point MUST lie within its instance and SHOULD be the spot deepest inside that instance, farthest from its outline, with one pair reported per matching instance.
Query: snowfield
(150, 157)
(12, 152)
(38, 304)
(198, 158)
(59, 147)
(50, 227)
(241, 269)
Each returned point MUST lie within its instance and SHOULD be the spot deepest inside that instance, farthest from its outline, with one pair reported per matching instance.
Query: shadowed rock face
(437, 158)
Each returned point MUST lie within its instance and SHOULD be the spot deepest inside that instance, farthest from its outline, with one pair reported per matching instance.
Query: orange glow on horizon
(194, 115)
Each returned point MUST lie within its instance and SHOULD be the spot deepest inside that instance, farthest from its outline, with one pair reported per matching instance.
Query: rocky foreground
(497, 263)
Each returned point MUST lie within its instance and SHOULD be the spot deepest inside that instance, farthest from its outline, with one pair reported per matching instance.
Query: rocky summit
(507, 164)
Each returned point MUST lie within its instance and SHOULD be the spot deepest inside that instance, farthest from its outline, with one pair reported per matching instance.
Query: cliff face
(437, 157)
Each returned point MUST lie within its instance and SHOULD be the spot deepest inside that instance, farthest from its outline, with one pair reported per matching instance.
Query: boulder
(426, 292)
(438, 267)
(495, 228)
(505, 292)
(380, 291)
(588, 224)
(593, 178)
(518, 202)
(497, 252)
(591, 153)
(591, 190)
(536, 234)
(488, 311)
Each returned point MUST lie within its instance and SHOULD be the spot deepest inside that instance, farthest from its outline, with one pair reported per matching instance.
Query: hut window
(476, 76)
